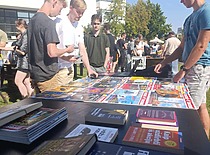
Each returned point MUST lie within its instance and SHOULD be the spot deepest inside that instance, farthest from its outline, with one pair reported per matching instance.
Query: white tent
(156, 40)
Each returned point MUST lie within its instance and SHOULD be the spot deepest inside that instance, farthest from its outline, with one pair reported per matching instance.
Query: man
(195, 52)
(113, 49)
(97, 45)
(71, 32)
(42, 40)
(170, 45)
(123, 53)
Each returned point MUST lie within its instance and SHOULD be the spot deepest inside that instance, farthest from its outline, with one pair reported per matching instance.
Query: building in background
(11, 10)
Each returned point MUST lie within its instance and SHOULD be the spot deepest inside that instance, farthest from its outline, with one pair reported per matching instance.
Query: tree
(116, 16)
(137, 18)
(157, 23)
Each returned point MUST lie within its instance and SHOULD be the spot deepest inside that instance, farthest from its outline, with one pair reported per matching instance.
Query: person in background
(42, 49)
(113, 48)
(195, 52)
(123, 52)
(170, 45)
(71, 32)
(140, 45)
(3, 42)
(22, 76)
(97, 45)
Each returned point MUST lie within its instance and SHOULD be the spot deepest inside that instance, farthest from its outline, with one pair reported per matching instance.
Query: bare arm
(195, 54)
(175, 55)
(107, 56)
(53, 51)
(85, 59)
(2, 44)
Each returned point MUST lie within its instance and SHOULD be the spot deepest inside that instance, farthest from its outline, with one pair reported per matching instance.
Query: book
(85, 97)
(79, 145)
(94, 90)
(156, 116)
(16, 112)
(160, 126)
(67, 89)
(120, 99)
(126, 92)
(160, 140)
(52, 95)
(31, 126)
(156, 100)
(103, 133)
(107, 116)
(102, 148)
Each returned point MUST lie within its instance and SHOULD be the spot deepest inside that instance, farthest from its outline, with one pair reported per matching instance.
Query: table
(195, 140)
(153, 61)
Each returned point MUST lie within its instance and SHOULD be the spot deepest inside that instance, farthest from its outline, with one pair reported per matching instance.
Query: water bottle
(109, 65)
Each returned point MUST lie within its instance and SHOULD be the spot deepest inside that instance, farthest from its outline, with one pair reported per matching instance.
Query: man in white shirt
(70, 32)
(171, 44)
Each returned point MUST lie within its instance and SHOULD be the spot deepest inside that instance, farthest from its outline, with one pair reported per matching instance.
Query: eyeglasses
(96, 23)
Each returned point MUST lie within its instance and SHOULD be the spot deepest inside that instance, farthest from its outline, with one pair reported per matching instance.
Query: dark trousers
(123, 60)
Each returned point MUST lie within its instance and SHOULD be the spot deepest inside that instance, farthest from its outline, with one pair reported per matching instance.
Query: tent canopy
(156, 40)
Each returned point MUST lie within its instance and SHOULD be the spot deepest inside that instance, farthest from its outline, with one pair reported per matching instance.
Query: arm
(53, 51)
(196, 53)
(175, 55)
(85, 59)
(107, 56)
(2, 44)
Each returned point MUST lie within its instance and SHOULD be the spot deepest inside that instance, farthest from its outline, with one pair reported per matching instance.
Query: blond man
(70, 32)
(42, 40)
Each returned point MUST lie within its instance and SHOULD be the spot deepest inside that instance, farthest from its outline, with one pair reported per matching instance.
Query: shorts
(65, 76)
(198, 80)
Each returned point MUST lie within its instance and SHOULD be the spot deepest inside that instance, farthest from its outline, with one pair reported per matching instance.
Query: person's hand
(92, 72)
(158, 67)
(70, 48)
(179, 76)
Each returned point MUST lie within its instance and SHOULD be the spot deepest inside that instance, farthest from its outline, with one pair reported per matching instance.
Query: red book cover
(163, 140)
(156, 116)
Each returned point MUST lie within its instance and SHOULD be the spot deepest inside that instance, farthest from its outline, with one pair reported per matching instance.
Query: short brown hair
(78, 4)
(21, 21)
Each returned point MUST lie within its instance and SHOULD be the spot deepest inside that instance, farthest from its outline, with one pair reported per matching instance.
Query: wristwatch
(183, 68)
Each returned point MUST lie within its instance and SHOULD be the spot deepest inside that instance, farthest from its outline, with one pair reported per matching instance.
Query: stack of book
(31, 126)
(157, 119)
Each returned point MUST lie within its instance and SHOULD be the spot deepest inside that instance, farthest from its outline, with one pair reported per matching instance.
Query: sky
(175, 11)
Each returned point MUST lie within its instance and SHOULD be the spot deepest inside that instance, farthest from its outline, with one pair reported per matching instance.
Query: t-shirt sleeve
(204, 21)
(107, 41)
(50, 34)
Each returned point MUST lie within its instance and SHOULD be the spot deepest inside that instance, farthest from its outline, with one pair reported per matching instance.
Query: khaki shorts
(198, 80)
(47, 85)
(65, 75)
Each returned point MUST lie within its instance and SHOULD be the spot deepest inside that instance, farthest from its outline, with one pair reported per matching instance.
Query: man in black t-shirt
(123, 51)
(42, 50)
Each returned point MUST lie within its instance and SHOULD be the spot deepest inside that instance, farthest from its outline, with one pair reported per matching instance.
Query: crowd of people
(47, 49)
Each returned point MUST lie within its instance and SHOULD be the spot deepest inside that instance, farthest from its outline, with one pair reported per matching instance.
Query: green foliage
(157, 24)
(116, 16)
(87, 29)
